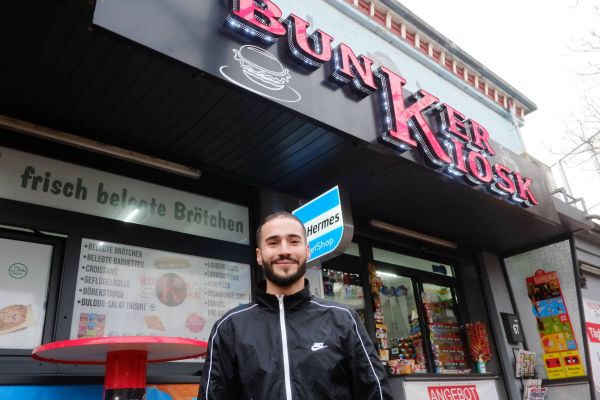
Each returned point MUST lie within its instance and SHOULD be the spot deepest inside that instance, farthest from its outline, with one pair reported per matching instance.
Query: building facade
(143, 141)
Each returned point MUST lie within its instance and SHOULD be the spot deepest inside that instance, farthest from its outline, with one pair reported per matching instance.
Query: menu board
(24, 277)
(125, 290)
(562, 359)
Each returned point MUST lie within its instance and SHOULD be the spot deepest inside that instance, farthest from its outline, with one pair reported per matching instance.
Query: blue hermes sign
(328, 223)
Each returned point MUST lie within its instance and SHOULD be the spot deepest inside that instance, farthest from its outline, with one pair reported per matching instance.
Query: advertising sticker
(24, 276)
(562, 358)
(449, 390)
(126, 290)
(592, 327)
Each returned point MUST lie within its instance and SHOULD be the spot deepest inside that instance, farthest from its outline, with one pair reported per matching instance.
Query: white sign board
(24, 277)
(451, 390)
(134, 291)
(591, 309)
(47, 182)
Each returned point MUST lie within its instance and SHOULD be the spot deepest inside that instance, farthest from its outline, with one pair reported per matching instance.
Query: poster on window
(24, 277)
(561, 358)
(126, 290)
(591, 309)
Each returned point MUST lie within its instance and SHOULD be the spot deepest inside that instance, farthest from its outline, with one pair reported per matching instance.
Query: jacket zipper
(286, 357)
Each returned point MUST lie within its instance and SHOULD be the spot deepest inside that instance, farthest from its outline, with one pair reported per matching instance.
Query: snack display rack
(411, 348)
(446, 341)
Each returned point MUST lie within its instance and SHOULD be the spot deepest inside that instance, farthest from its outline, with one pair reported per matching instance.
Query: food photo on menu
(125, 290)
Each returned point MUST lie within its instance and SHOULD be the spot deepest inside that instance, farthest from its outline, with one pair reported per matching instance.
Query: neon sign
(452, 143)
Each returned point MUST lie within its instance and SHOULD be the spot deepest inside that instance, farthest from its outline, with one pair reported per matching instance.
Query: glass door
(345, 288)
(416, 317)
(447, 344)
(400, 327)
(344, 282)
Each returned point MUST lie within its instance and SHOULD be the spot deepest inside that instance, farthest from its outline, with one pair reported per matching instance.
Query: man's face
(282, 251)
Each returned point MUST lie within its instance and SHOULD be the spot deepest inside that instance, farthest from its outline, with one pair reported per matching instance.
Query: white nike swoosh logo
(315, 348)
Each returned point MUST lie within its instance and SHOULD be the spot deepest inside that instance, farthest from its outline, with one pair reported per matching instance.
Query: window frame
(418, 278)
(53, 286)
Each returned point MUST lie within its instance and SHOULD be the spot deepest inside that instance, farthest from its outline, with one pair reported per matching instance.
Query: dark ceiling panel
(136, 94)
(137, 123)
(29, 39)
(277, 144)
(216, 141)
(216, 120)
(249, 139)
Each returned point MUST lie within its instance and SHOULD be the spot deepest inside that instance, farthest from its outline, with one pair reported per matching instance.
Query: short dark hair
(278, 214)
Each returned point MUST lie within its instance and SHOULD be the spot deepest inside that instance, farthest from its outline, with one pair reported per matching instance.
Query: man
(289, 345)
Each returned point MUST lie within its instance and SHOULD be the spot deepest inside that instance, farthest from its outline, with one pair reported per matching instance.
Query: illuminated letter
(457, 149)
(479, 168)
(524, 193)
(348, 68)
(480, 137)
(312, 50)
(451, 123)
(503, 184)
(399, 121)
(394, 128)
(413, 115)
(256, 18)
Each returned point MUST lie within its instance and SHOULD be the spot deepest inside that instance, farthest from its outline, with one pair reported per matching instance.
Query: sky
(535, 46)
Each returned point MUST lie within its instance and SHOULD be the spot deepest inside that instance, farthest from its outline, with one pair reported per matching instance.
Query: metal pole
(564, 177)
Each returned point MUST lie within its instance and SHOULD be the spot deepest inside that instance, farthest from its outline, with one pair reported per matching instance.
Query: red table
(125, 358)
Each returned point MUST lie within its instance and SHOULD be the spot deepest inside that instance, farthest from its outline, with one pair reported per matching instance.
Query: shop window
(345, 288)
(400, 333)
(25, 269)
(444, 330)
(125, 290)
(416, 315)
(403, 260)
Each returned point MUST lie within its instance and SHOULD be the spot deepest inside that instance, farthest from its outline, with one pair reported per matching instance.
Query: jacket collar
(290, 302)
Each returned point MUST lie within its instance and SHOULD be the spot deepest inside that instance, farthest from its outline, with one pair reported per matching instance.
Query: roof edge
(454, 49)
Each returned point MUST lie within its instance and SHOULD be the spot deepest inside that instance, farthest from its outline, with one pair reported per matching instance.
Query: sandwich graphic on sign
(259, 71)
(262, 68)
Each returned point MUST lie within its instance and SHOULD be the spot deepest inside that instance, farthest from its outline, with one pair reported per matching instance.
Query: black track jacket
(291, 347)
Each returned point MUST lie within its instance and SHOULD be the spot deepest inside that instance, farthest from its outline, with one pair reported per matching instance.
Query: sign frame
(342, 216)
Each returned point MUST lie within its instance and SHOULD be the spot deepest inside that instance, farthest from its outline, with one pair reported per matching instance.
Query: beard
(287, 280)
